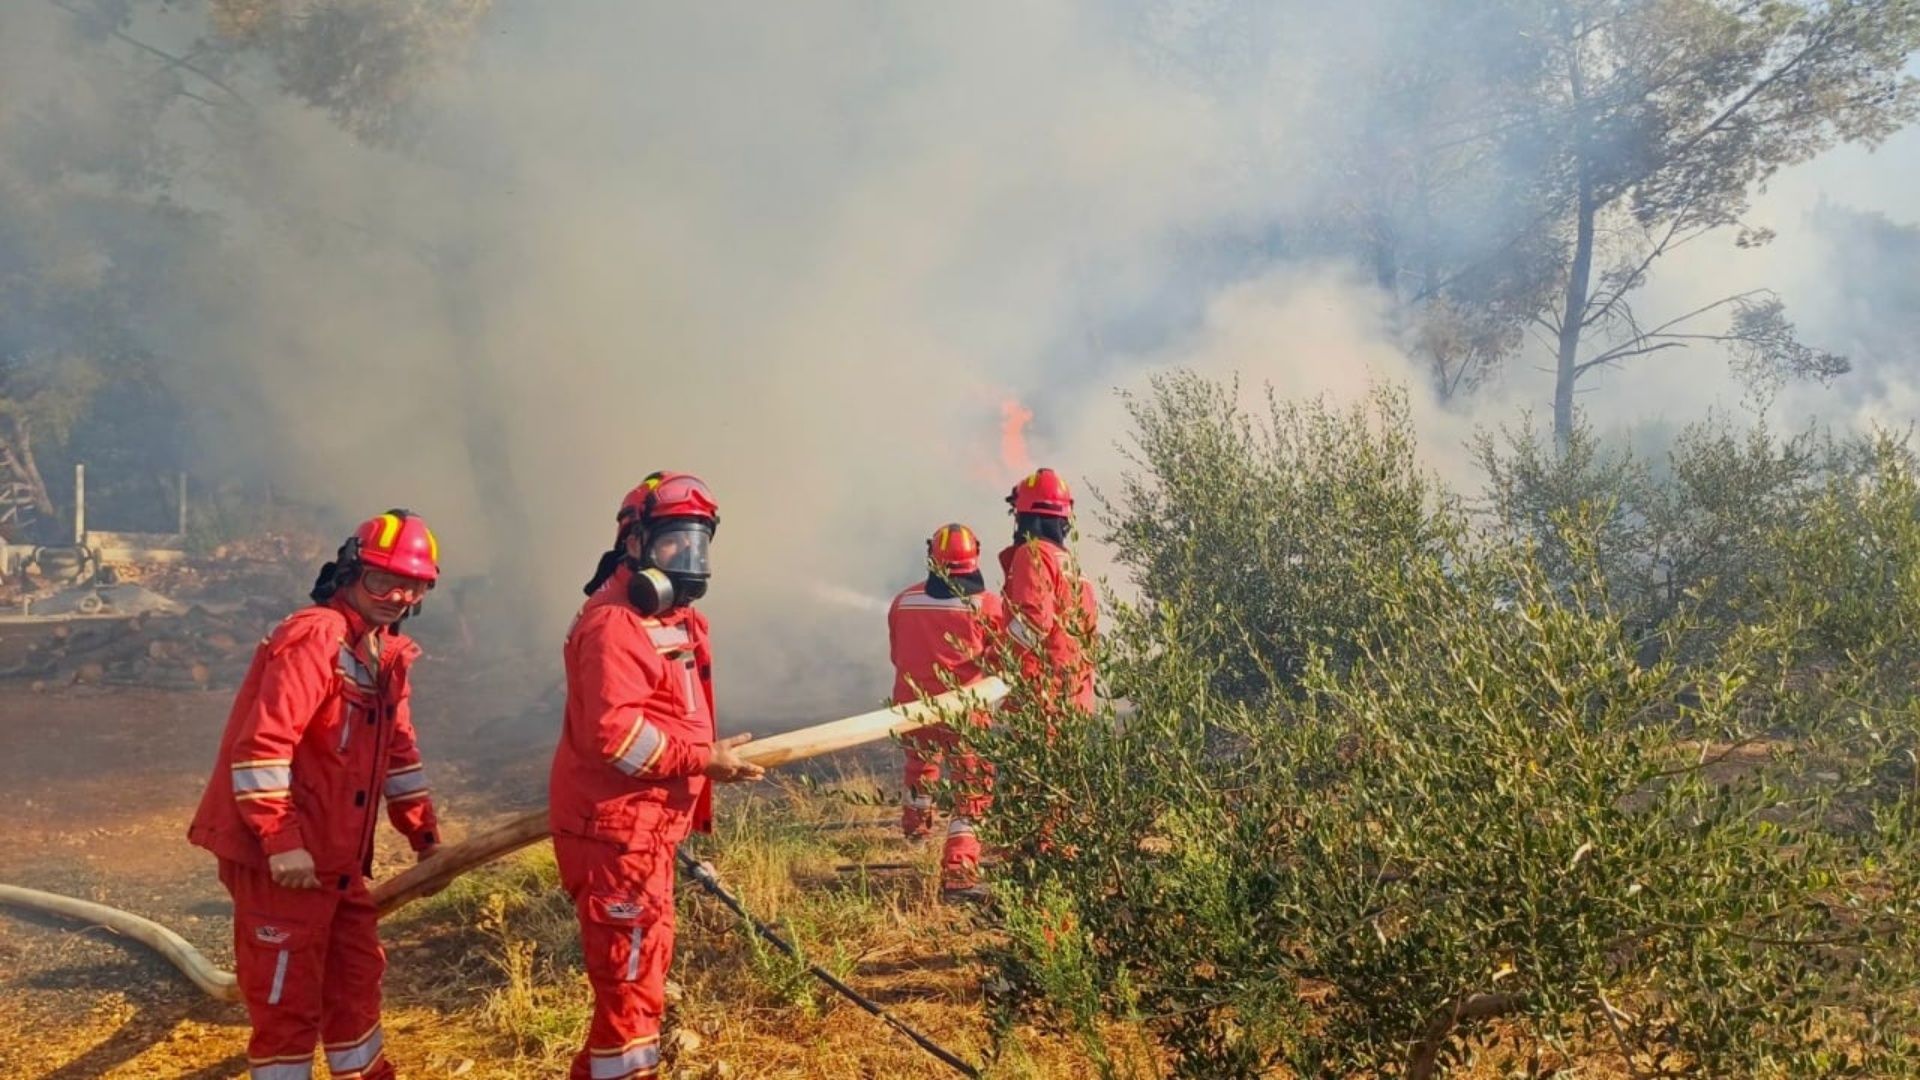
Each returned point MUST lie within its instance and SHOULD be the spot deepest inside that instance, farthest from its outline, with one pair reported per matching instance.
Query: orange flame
(1013, 437)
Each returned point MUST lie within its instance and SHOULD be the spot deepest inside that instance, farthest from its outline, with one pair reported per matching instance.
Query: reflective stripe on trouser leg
(354, 1042)
(924, 749)
(916, 816)
(355, 1058)
(279, 977)
(628, 972)
(641, 1057)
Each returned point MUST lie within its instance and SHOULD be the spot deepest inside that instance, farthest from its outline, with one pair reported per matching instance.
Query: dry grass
(496, 960)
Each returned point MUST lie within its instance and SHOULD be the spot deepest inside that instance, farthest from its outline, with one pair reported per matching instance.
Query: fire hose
(703, 874)
(178, 951)
(433, 874)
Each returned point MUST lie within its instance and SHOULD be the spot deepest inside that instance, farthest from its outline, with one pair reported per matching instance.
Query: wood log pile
(198, 649)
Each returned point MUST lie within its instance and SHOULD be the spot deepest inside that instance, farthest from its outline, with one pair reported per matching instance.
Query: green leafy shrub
(1258, 522)
(1480, 798)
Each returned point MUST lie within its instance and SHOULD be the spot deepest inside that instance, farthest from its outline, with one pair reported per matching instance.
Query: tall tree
(1501, 164)
(137, 96)
(361, 61)
(1664, 116)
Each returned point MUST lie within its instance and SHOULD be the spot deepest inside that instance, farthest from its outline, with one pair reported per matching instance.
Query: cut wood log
(218, 984)
(456, 859)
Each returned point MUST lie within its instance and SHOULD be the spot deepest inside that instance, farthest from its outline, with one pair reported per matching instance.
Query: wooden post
(183, 502)
(79, 503)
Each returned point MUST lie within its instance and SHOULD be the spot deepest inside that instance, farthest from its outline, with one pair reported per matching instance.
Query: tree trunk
(1424, 1061)
(1386, 256)
(17, 451)
(1580, 275)
(1579, 281)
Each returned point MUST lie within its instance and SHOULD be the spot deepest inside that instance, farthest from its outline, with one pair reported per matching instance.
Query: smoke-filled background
(861, 266)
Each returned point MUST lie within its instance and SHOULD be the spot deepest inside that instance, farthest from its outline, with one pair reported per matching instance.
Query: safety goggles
(386, 585)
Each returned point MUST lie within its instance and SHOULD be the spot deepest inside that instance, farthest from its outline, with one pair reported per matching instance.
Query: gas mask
(672, 570)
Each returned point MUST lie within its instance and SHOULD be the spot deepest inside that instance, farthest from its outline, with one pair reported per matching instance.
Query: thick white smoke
(804, 250)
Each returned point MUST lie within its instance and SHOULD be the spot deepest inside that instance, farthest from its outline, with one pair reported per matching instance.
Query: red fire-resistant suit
(317, 737)
(1052, 615)
(627, 786)
(929, 636)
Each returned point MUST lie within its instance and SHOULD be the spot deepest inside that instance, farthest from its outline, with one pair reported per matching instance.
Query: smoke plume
(859, 266)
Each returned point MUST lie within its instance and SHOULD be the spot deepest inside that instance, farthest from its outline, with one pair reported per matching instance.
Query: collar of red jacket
(1041, 543)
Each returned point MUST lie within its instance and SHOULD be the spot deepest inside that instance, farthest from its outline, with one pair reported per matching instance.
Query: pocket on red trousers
(278, 945)
(625, 916)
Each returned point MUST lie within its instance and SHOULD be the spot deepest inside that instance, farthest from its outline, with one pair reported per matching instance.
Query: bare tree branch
(1616, 355)
(1603, 302)
(181, 62)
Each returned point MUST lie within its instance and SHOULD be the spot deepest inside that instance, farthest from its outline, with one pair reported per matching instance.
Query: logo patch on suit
(624, 910)
(272, 935)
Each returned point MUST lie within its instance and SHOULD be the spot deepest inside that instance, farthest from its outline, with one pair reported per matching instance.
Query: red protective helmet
(1042, 493)
(667, 495)
(953, 549)
(398, 542)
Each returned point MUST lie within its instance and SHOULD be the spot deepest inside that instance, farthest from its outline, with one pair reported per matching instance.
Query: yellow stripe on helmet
(433, 545)
(389, 531)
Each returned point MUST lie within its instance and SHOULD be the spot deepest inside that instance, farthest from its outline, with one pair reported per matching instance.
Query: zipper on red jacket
(380, 709)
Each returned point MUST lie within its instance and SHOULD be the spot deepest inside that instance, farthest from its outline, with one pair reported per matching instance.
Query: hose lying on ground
(218, 984)
(703, 874)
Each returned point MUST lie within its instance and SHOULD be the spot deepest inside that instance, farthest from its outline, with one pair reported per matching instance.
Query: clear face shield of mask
(680, 548)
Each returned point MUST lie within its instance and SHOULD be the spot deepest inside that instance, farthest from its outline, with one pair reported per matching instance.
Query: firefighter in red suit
(940, 632)
(1052, 611)
(318, 738)
(638, 751)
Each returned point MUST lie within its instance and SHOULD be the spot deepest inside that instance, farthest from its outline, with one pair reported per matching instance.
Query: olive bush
(1256, 523)
(1479, 798)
